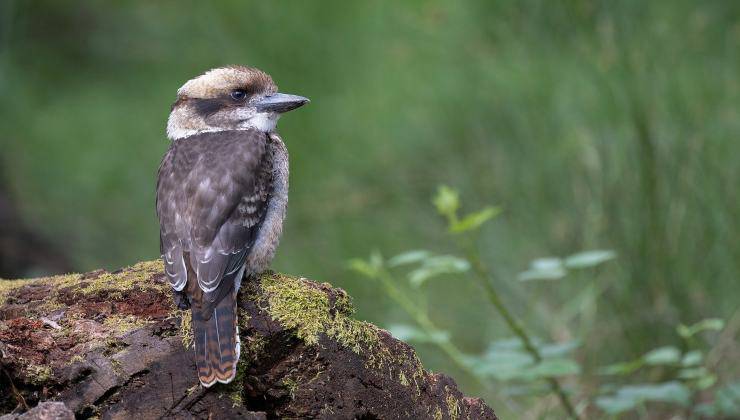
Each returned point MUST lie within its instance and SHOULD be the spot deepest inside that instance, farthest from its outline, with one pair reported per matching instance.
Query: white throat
(263, 121)
(180, 126)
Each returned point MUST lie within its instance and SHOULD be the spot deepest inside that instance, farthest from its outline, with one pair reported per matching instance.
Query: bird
(221, 197)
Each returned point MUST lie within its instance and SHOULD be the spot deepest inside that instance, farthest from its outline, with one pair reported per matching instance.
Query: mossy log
(112, 345)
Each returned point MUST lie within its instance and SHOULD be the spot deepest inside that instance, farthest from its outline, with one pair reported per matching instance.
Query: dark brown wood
(113, 345)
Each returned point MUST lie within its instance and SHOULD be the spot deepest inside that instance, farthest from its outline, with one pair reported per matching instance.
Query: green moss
(132, 278)
(234, 390)
(121, 324)
(313, 378)
(111, 345)
(296, 303)
(76, 359)
(235, 395)
(303, 307)
(326, 411)
(38, 374)
(297, 306)
(438, 414)
(402, 379)
(353, 334)
(136, 277)
(453, 405)
(419, 374)
(243, 318)
(192, 389)
(343, 303)
(186, 328)
(7, 285)
(117, 368)
(255, 346)
(291, 385)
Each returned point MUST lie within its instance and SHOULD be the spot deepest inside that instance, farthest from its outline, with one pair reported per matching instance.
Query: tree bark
(112, 345)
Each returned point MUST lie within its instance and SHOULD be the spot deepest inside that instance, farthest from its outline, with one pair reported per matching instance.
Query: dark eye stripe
(206, 107)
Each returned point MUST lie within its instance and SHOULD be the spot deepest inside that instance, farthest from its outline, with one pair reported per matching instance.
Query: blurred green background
(594, 124)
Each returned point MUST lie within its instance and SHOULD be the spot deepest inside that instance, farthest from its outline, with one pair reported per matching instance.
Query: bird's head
(229, 98)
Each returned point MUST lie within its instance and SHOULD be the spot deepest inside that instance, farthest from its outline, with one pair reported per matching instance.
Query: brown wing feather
(212, 192)
(211, 195)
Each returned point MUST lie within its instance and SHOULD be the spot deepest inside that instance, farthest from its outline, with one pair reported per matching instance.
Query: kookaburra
(222, 191)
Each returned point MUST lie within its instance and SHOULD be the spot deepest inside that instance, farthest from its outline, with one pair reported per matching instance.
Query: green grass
(593, 124)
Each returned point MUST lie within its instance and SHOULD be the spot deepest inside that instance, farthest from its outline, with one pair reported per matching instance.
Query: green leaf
(667, 355)
(436, 266)
(370, 268)
(549, 368)
(503, 365)
(509, 358)
(410, 257)
(692, 373)
(531, 275)
(713, 324)
(616, 404)
(363, 267)
(376, 260)
(408, 333)
(506, 359)
(624, 368)
(630, 396)
(589, 258)
(683, 331)
(546, 349)
(505, 344)
(558, 349)
(447, 201)
(538, 389)
(670, 392)
(692, 358)
(727, 400)
(706, 382)
(549, 268)
(474, 221)
(702, 378)
(547, 263)
(706, 410)
(709, 324)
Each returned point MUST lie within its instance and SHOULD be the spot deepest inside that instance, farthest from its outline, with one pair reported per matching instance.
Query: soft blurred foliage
(593, 124)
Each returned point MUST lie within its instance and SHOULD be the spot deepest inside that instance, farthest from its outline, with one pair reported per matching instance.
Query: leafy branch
(539, 365)
(377, 268)
(447, 202)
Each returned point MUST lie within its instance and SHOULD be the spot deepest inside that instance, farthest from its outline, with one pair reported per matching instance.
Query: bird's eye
(238, 95)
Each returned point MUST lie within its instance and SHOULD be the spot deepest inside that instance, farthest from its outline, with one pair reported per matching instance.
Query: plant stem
(482, 274)
(426, 324)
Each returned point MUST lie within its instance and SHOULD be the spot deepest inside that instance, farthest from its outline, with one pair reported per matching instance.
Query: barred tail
(216, 338)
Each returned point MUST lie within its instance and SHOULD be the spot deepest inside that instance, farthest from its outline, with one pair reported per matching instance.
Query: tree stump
(112, 345)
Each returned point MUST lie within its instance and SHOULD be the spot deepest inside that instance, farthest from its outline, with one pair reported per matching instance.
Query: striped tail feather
(216, 338)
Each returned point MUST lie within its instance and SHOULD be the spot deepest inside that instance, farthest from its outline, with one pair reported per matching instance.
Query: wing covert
(211, 195)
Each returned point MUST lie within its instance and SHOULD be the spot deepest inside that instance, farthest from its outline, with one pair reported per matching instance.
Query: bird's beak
(280, 102)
